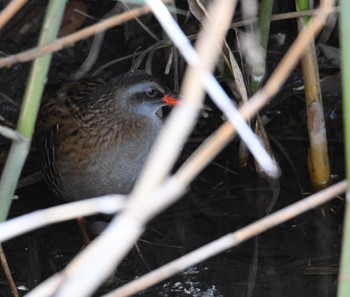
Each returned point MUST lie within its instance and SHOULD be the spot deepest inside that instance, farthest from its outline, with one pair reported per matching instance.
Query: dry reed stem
(11, 134)
(284, 16)
(229, 241)
(46, 288)
(109, 204)
(318, 159)
(10, 10)
(69, 40)
(7, 272)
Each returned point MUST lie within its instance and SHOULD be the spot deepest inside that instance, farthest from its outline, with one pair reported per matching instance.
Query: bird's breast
(106, 165)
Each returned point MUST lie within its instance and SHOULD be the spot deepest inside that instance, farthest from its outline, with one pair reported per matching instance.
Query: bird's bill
(172, 99)
(175, 99)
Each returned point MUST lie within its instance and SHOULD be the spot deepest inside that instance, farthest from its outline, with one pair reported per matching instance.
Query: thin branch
(69, 40)
(12, 134)
(10, 10)
(284, 16)
(7, 272)
(109, 204)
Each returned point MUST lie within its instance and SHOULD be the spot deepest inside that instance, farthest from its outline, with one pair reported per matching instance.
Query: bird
(94, 135)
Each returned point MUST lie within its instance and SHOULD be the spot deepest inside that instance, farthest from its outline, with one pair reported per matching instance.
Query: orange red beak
(172, 99)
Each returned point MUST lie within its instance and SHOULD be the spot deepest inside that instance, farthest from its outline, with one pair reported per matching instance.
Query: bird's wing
(48, 160)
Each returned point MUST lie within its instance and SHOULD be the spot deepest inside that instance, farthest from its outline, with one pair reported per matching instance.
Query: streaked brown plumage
(96, 134)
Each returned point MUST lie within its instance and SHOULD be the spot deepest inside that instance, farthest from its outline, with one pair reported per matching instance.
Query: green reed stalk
(344, 275)
(30, 106)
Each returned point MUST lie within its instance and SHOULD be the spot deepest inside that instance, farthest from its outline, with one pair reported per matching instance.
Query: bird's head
(139, 92)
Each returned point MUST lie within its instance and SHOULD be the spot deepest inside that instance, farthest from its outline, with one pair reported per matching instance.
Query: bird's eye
(151, 92)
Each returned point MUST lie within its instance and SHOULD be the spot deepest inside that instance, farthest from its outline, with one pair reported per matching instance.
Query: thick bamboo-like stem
(344, 275)
(318, 152)
(30, 106)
